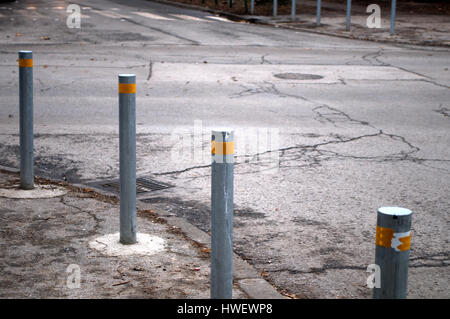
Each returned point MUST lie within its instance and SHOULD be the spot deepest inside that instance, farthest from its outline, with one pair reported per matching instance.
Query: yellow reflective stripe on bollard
(406, 243)
(26, 63)
(386, 237)
(127, 88)
(222, 148)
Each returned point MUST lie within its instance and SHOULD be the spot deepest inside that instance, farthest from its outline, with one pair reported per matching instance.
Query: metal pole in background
(393, 241)
(319, 7)
(393, 9)
(26, 119)
(275, 7)
(348, 16)
(222, 169)
(127, 145)
(252, 7)
(293, 9)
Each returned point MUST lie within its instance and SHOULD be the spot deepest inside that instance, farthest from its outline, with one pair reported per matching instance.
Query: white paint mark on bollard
(222, 169)
(393, 242)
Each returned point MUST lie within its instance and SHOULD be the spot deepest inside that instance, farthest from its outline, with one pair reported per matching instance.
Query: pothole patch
(146, 245)
(298, 76)
(39, 191)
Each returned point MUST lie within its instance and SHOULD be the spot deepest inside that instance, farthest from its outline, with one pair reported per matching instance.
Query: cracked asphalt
(315, 158)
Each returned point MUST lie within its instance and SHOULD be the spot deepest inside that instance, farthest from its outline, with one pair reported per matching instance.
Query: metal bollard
(319, 8)
(393, 9)
(349, 15)
(275, 7)
(26, 119)
(222, 167)
(393, 241)
(252, 7)
(127, 145)
(293, 9)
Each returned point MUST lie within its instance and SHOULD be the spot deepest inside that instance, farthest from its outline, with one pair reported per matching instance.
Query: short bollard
(393, 9)
(127, 145)
(252, 7)
(26, 119)
(275, 8)
(393, 241)
(222, 167)
(348, 15)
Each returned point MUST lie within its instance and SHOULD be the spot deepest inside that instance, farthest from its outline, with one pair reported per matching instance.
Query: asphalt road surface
(327, 130)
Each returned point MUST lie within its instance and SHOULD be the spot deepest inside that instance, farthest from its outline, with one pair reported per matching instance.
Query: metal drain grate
(143, 185)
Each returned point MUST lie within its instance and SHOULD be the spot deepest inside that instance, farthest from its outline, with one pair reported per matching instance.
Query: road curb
(255, 20)
(244, 275)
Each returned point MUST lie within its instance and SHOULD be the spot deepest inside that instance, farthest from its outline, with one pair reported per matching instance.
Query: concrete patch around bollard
(146, 245)
(39, 191)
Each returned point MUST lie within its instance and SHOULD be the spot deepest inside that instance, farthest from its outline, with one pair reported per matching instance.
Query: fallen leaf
(44, 37)
(206, 250)
(19, 34)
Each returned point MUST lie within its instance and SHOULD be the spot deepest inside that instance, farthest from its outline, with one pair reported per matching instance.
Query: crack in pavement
(373, 59)
(443, 110)
(91, 214)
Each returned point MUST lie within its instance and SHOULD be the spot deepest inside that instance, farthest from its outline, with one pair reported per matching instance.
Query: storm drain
(298, 76)
(143, 185)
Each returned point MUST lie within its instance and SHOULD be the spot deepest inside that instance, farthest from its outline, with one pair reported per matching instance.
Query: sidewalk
(416, 23)
(45, 241)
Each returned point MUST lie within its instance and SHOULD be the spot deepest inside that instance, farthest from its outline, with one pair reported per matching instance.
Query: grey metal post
(26, 119)
(348, 15)
(275, 7)
(252, 7)
(393, 9)
(127, 145)
(222, 168)
(393, 241)
(293, 9)
(319, 7)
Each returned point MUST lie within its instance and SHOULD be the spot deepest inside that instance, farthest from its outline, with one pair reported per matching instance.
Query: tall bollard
(348, 15)
(252, 7)
(127, 145)
(293, 9)
(318, 13)
(222, 167)
(393, 241)
(275, 8)
(393, 9)
(26, 119)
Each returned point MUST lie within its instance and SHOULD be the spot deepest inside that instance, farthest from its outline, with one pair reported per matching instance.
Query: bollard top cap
(222, 135)
(25, 54)
(127, 78)
(394, 211)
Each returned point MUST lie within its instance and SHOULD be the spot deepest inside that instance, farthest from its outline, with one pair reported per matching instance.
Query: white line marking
(218, 18)
(110, 14)
(186, 17)
(151, 16)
